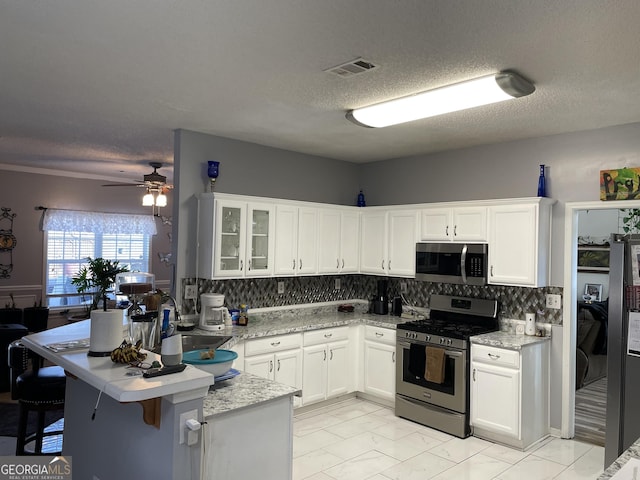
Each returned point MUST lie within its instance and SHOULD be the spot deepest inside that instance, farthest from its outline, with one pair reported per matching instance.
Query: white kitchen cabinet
(520, 243)
(510, 393)
(388, 242)
(380, 362)
(277, 358)
(235, 238)
(456, 224)
(296, 251)
(339, 240)
(326, 365)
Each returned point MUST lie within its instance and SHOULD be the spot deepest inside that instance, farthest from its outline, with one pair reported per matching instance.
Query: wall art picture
(620, 184)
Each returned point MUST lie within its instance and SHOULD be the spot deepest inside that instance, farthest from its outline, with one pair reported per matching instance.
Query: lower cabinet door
(260, 365)
(380, 369)
(314, 374)
(287, 368)
(337, 368)
(495, 399)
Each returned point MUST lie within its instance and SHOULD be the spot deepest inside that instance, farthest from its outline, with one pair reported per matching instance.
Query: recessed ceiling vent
(352, 68)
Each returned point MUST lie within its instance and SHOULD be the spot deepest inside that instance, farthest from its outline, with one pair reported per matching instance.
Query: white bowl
(217, 366)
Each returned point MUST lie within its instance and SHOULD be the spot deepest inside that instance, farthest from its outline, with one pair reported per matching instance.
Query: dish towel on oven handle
(434, 371)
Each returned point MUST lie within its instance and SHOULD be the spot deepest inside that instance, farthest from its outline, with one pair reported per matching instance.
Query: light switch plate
(280, 287)
(190, 292)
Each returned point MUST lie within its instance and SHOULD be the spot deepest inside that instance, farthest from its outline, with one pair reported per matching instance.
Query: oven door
(452, 393)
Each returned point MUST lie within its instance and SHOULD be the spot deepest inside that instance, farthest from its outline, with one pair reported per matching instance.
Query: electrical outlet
(403, 287)
(190, 292)
(191, 414)
(337, 284)
(520, 329)
(280, 287)
(554, 301)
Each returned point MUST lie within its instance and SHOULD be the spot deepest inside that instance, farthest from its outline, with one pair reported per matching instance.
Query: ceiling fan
(153, 181)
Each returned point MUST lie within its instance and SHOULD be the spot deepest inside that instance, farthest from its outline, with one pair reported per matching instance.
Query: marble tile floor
(357, 440)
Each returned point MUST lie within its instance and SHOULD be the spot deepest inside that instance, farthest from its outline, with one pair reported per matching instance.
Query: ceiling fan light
(148, 200)
(492, 88)
(161, 200)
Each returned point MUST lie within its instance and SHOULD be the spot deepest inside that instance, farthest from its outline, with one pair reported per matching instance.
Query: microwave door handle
(463, 263)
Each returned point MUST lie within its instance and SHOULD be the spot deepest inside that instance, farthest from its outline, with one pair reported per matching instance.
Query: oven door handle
(450, 353)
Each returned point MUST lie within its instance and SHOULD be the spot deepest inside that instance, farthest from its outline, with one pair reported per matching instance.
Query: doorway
(570, 304)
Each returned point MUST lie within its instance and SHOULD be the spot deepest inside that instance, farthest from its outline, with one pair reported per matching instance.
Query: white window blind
(72, 236)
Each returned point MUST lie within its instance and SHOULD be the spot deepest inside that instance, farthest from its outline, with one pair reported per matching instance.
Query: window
(73, 236)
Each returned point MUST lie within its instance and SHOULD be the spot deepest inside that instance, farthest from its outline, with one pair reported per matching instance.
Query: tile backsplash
(263, 292)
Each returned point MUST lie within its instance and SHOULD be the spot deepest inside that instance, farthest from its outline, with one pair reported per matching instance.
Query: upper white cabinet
(519, 243)
(388, 242)
(456, 224)
(339, 240)
(235, 238)
(296, 251)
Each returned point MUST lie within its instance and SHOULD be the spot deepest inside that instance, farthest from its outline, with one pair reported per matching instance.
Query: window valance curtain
(96, 222)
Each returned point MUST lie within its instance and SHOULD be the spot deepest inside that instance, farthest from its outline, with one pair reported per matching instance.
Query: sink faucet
(177, 308)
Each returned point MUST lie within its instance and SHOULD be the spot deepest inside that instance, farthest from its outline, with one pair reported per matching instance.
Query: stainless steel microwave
(463, 263)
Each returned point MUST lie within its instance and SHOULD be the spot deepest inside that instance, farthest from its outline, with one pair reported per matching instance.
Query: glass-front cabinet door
(260, 246)
(230, 238)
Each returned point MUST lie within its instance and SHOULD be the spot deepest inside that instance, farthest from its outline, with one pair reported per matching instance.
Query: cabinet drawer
(495, 356)
(317, 337)
(272, 344)
(379, 334)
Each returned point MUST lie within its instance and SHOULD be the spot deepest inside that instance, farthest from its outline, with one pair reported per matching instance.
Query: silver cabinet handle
(270, 366)
(492, 270)
(300, 266)
(343, 263)
(325, 356)
(455, 230)
(294, 263)
(337, 263)
(383, 263)
(275, 344)
(389, 265)
(328, 335)
(446, 232)
(474, 374)
(241, 264)
(278, 364)
(378, 334)
(331, 354)
(249, 264)
(393, 357)
(493, 356)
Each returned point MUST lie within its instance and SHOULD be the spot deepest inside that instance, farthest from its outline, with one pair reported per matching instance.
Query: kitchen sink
(200, 342)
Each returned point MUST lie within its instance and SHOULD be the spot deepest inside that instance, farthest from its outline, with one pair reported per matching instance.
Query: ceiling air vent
(352, 68)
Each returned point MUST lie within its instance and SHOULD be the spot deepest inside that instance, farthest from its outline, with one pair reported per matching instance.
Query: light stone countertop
(510, 341)
(244, 390)
(632, 452)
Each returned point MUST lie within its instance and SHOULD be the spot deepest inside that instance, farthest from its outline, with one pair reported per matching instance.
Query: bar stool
(38, 390)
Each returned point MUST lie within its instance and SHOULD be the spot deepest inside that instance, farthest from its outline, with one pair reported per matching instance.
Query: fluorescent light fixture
(451, 98)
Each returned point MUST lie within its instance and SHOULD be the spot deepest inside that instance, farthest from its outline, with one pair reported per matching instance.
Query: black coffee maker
(381, 300)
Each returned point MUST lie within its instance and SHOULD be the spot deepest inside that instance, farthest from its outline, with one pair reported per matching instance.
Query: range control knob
(441, 340)
(428, 338)
(449, 341)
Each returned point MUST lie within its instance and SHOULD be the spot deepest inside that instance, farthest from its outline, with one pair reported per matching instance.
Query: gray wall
(509, 170)
(249, 169)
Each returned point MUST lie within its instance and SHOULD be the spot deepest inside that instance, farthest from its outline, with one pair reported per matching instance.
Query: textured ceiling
(99, 86)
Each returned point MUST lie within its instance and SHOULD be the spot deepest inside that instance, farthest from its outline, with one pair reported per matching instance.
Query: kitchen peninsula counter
(510, 341)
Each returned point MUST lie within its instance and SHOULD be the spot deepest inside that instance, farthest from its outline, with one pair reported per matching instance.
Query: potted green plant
(10, 313)
(36, 317)
(96, 278)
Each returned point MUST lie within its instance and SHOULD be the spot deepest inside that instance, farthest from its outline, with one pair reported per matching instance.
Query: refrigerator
(623, 347)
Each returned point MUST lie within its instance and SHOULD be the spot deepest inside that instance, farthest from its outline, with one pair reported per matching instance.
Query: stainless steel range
(442, 404)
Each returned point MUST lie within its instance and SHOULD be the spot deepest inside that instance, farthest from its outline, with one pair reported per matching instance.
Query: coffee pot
(213, 313)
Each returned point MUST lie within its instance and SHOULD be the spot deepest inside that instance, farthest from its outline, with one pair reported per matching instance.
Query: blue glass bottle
(361, 202)
(542, 189)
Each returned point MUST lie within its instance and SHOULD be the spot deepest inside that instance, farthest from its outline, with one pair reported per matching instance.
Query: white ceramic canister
(530, 324)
